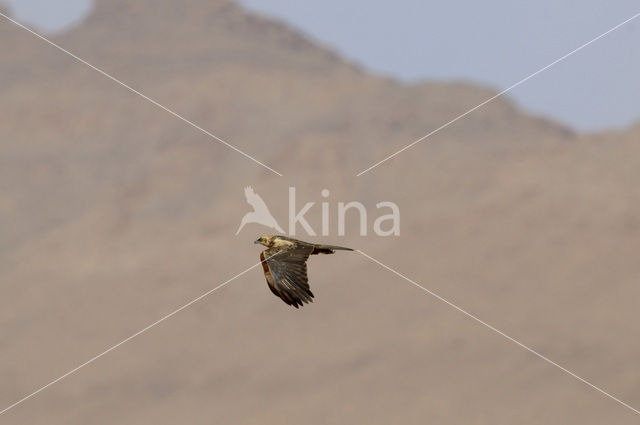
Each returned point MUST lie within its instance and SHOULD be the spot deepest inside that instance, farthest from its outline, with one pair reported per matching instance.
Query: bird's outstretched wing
(286, 274)
(255, 200)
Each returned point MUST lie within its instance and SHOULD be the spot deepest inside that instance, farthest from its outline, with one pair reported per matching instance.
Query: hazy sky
(493, 42)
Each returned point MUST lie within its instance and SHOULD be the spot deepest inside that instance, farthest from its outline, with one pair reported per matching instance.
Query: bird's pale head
(266, 240)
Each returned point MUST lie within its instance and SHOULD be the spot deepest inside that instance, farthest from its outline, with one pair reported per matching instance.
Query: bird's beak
(256, 241)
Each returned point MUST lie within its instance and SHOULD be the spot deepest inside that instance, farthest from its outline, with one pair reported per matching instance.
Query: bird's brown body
(284, 263)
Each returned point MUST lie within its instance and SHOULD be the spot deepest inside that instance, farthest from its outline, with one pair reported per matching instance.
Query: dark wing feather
(288, 272)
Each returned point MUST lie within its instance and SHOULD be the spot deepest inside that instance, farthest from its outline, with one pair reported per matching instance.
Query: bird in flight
(260, 213)
(284, 263)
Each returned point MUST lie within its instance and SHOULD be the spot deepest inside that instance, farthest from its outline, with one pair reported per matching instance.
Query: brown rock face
(113, 213)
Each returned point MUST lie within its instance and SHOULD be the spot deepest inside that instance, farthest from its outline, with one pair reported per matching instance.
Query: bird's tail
(241, 226)
(328, 249)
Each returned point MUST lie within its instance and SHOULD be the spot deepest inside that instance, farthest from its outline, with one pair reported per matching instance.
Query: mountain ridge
(114, 213)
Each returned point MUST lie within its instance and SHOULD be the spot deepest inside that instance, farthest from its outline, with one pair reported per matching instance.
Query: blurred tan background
(114, 213)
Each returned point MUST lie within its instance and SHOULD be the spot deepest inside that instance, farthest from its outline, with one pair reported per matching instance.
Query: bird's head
(266, 240)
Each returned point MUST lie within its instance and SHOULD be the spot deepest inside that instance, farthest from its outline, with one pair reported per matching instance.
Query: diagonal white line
(499, 332)
(442, 127)
(127, 339)
(175, 114)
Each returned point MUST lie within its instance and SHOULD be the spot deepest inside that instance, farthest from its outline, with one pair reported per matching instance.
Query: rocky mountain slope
(114, 213)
